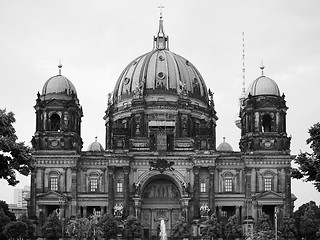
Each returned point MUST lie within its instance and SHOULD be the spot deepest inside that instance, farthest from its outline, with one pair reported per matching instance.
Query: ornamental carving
(161, 165)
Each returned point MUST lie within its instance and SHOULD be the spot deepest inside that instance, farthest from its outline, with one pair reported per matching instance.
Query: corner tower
(58, 116)
(263, 118)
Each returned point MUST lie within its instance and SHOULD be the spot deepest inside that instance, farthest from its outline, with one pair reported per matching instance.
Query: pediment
(270, 195)
(55, 102)
(51, 195)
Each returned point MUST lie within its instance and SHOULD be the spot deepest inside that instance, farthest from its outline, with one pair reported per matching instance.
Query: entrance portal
(161, 201)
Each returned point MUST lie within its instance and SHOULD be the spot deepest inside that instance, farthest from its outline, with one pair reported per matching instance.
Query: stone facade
(160, 160)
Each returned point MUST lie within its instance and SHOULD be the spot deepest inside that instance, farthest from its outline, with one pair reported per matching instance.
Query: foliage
(4, 220)
(4, 206)
(264, 235)
(83, 228)
(288, 228)
(16, 230)
(30, 226)
(309, 163)
(132, 228)
(232, 228)
(212, 228)
(181, 229)
(13, 155)
(264, 223)
(307, 219)
(52, 229)
(109, 226)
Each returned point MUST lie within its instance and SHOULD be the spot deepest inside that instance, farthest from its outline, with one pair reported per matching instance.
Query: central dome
(160, 72)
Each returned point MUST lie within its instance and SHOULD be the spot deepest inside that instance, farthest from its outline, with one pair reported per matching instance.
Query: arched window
(53, 181)
(55, 122)
(93, 182)
(266, 123)
(268, 181)
(228, 181)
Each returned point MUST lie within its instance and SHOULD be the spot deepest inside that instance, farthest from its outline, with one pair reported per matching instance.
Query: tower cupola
(58, 116)
(263, 117)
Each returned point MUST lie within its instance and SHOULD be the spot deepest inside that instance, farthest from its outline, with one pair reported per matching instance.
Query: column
(103, 187)
(102, 210)
(74, 201)
(42, 179)
(32, 206)
(126, 192)
(248, 191)
(238, 214)
(84, 211)
(288, 202)
(65, 179)
(211, 189)
(196, 192)
(111, 189)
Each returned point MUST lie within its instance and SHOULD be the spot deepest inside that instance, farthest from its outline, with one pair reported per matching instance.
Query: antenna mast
(243, 67)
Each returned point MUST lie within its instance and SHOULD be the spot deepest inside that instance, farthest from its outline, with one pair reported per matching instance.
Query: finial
(161, 7)
(60, 66)
(161, 40)
(96, 138)
(262, 68)
(224, 139)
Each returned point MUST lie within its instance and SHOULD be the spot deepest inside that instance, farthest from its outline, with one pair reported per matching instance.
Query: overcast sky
(95, 40)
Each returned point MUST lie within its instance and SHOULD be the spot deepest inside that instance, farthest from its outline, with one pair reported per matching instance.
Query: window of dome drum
(161, 75)
(202, 187)
(119, 187)
(55, 122)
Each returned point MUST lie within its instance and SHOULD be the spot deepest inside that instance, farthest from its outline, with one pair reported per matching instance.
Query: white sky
(95, 40)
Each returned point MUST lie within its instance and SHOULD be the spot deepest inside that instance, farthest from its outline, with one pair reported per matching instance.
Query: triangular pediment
(55, 102)
(51, 195)
(268, 103)
(269, 195)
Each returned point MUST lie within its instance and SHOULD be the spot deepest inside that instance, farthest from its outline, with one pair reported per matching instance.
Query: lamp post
(275, 223)
(61, 213)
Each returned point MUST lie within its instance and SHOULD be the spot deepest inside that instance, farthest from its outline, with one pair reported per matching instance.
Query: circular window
(126, 80)
(195, 81)
(161, 58)
(161, 75)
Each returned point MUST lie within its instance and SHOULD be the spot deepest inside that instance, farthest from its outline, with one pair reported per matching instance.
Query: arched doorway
(160, 200)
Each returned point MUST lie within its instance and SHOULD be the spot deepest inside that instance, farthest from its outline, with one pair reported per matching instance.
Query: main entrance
(160, 200)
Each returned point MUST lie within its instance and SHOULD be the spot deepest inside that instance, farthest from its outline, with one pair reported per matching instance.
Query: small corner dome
(58, 85)
(95, 147)
(224, 147)
(263, 86)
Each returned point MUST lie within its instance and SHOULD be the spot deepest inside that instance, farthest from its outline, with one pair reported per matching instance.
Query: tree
(16, 230)
(132, 228)
(212, 228)
(307, 219)
(288, 228)
(52, 229)
(84, 228)
(13, 155)
(232, 228)
(4, 206)
(181, 229)
(109, 226)
(4, 220)
(264, 228)
(30, 226)
(309, 163)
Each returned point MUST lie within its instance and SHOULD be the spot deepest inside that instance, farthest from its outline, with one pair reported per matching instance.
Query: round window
(161, 75)
(126, 80)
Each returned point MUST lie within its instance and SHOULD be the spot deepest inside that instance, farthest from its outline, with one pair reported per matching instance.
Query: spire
(161, 40)
(243, 68)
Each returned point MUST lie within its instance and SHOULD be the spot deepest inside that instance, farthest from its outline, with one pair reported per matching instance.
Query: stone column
(248, 205)
(211, 189)
(196, 192)
(32, 206)
(84, 211)
(126, 192)
(103, 187)
(185, 206)
(111, 189)
(65, 179)
(288, 201)
(238, 214)
(74, 201)
(43, 189)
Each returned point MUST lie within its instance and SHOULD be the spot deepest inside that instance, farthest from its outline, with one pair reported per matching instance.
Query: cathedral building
(160, 160)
